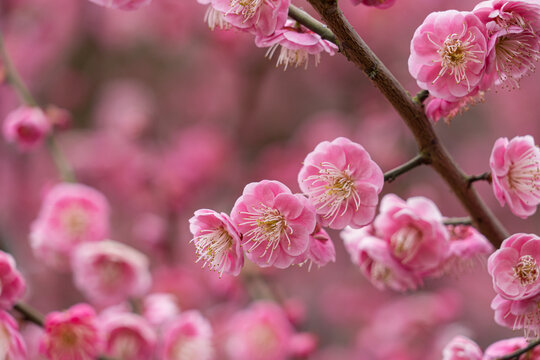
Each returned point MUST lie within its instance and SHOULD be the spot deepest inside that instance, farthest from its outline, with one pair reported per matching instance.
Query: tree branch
(418, 160)
(412, 113)
(516, 354)
(482, 177)
(458, 221)
(308, 21)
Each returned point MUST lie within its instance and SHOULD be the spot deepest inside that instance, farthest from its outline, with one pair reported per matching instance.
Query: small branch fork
(482, 177)
(411, 111)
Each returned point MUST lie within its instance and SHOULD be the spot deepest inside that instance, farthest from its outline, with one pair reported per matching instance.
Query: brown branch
(429, 145)
(458, 221)
(308, 21)
(482, 177)
(418, 160)
(516, 354)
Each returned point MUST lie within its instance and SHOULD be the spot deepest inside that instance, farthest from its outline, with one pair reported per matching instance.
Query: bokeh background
(170, 117)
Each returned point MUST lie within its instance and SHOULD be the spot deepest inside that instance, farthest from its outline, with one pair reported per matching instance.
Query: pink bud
(26, 126)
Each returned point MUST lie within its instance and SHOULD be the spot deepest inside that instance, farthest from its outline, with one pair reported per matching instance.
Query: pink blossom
(342, 182)
(414, 232)
(158, 308)
(514, 267)
(189, 336)
(296, 44)
(437, 109)
(514, 45)
(303, 345)
(321, 249)
(261, 332)
(123, 4)
(217, 241)
(109, 272)
(71, 214)
(274, 223)
(462, 348)
(260, 17)
(213, 17)
(518, 314)
(506, 347)
(448, 54)
(515, 171)
(71, 335)
(12, 284)
(127, 336)
(467, 246)
(27, 127)
(381, 4)
(12, 346)
(374, 257)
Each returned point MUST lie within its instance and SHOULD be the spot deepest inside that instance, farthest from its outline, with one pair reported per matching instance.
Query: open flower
(342, 182)
(217, 241)
(518, 314)
(275, 224)
(515, 171)
(448, 54)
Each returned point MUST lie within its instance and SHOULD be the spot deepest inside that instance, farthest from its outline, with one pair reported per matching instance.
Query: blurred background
(170, 117)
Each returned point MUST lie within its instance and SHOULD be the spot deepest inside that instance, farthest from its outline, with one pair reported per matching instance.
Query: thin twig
(29, 313)
(308, 21)
(391, 175)
(516, 354)
(356, 50)
(458, 221)
(482, 177)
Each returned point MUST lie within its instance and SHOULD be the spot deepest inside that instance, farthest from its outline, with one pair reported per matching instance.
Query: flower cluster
(409, 242)
(457, 55)
(275, 227)
(515, 272)
(267, 21)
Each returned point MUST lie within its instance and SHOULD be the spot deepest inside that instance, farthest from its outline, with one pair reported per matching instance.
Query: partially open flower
(26, 127)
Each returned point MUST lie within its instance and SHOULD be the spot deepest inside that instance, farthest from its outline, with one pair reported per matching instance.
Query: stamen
(213, 246)
(526, 270)
(246, 8)
(524, 174)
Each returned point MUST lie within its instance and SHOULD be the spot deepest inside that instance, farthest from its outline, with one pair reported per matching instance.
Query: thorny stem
(458, 221)
(12, 75)
(418, 160)
(516, 354)
(412, 113)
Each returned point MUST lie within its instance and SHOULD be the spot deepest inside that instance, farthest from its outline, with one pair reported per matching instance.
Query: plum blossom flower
(71, 214)
(296, 44)
(158, 308)
(437, 109)
(127, 336)
(12, 284)
(508, 346)
(381, 4)
(515, 171)
(26, 127)
(189, 336)
(518, 314)
(275, 224)
(12, 345)
(217, 241)
(514, 267)
(342, 182)
(260, 17)
(123, 4)
(261, 332)
(514, 45)
(71, 335)
(414, 232)
(213, 17)
(376, 262)
(462, 348)
(109, 272)
(321, 249)
(448, 54)
(467, 247)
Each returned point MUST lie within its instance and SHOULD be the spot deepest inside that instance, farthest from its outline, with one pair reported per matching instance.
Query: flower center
(75, 221)
(380, 272)
(213, 246)
(515, 54)
(331, 188)
(456, 54)
(246, 8)
(267, 225)
(405, 242)
(524, 174)
(526, 270)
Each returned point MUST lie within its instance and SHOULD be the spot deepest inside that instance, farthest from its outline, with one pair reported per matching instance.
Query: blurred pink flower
(274, 223)
(123, 4)
(508, 346)
(217, 241)
(342, 182)
(448, 54)
(462, 348)
(188, 336)
(109, 272)
(261, 332)
(467, 247)
(414, 232)
(12, 284)
(71, 335)
(515, 171)
(12, 345)
(297, 44)
(381, 4)
(514, 267)
(71, 214)
(127, 336)
(158, 308)
(26, 127)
